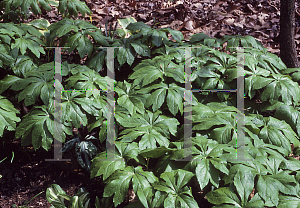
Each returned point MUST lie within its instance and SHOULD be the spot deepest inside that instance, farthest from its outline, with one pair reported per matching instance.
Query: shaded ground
(29, 174)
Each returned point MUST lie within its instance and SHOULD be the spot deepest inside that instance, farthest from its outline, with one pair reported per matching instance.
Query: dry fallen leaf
(189, 25)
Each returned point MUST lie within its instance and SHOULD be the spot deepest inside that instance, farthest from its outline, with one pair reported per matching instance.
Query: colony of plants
(149, 111)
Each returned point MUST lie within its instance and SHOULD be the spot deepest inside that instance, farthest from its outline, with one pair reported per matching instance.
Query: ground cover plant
(149, 113)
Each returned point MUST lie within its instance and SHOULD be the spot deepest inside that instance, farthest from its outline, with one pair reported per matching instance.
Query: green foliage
(75, 34)
(37, 83)
(14, 39)
(59, 199)
(85, 150)
(37, 128)
(71, 7)
(8, 117)
(207, 161)
(148, 110)
(118, 184)
(226, 196)
(153, 127)
(12, 10)
(174, 185)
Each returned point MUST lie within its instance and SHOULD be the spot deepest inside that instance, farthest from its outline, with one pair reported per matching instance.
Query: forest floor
(29, 174)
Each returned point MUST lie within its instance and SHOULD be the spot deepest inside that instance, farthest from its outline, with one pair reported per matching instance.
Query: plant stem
(33, 198)
(148, 163)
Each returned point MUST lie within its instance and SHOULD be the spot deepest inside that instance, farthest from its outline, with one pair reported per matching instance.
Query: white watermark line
(58, 132)
(240, 139)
